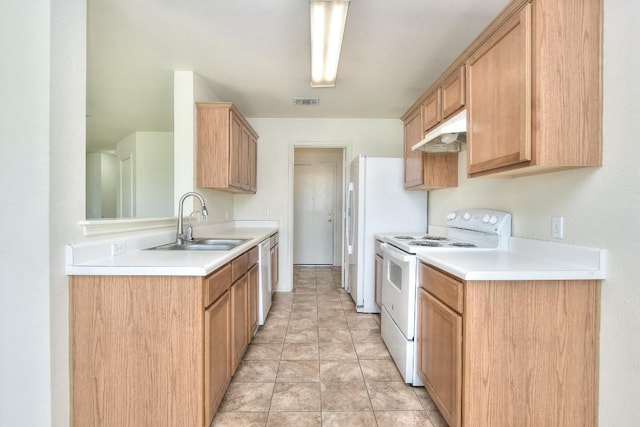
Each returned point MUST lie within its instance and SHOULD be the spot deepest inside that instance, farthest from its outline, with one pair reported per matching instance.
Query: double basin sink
(203, 244)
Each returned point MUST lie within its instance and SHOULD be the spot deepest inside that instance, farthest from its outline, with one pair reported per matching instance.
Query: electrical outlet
(557, 227)
(265, 215)
(118, 248)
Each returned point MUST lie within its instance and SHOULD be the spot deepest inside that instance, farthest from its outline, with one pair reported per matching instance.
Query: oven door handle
(395, 254)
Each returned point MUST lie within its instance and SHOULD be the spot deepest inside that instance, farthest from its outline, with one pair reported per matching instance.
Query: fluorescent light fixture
(328, 18)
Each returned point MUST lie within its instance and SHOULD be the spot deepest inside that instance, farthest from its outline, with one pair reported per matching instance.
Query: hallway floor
(317, 362)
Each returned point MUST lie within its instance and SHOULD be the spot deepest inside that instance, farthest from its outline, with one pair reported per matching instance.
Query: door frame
(346, 147)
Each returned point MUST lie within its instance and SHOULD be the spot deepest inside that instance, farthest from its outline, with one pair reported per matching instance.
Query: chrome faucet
(180, 236)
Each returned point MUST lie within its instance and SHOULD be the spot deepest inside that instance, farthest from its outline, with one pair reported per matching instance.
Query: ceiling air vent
(306, 102)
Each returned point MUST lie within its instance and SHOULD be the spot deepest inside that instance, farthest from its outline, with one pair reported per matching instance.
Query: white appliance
(264, 289)
(376, 203)
(467, 230)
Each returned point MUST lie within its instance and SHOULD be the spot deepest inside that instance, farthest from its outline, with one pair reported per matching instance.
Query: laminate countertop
(94, 256)
(526, 259)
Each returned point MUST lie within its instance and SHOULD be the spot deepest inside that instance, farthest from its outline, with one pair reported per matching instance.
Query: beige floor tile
(393, 396)
(333, 323)
(294, 419)
(240, 419)
(362, 323)
(269, 336)
(279, 314)
(350, 419)
(436, 419)
(256, 371)
(366, 335)
(295, 351)
(263, 351)
(340, 370)
(293, 371)
(275, 323)
(403, 418)
(306, 313)
(380, 370)
(307, 335)
(427, 403)
(372, 350)
(296, 397)
(334, 335)
(345, 396)
(337, 351)
(247, 397)
(303, 324)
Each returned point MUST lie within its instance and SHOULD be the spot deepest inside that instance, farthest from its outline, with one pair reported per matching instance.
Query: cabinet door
(235, 152)
(245, 163)
(439, 340)
(239, 320)
(453, 94)
(431, 111)
(413, 172)
(253, 300)
(253, 164)
(217, 354)
(499, 97)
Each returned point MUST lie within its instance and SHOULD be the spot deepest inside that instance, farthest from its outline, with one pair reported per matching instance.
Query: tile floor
(317, 362)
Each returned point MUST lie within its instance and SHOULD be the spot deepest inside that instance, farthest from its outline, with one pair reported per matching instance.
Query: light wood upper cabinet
(426, 171)
(499, 85)
(534, 90)
(453, 94)
(432, 111)
(227, 149)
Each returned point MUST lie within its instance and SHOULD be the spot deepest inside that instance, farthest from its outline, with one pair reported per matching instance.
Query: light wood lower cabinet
(378, 274)
(509, 353)
(217, 348)
(275, 255)
(158, 350)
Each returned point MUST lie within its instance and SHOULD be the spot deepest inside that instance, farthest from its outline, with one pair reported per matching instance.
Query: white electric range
(466, 230)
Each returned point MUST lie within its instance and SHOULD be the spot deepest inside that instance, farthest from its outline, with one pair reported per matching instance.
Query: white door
(314, 214)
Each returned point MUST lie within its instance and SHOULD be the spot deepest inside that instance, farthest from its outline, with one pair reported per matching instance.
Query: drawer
(239, 266)
(445, 288)
(216, 284)
(253, 256)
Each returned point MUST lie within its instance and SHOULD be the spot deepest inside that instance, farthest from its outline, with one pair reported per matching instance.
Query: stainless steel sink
(203, 244)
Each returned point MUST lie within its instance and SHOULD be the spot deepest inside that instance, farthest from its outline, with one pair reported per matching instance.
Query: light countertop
(525, 259)
(93, 257)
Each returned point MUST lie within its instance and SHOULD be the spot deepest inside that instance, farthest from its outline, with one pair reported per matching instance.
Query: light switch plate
(118, 248)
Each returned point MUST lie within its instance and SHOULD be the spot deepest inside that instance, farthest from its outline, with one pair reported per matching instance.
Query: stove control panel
(484, 220)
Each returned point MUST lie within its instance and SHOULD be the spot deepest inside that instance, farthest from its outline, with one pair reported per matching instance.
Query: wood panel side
(531, 353)
(213, 154)
(567, 49)
(136, 350)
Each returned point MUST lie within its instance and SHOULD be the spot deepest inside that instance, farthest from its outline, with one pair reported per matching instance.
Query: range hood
(447, 137)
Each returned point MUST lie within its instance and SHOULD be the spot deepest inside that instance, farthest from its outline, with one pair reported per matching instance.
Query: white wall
(190, 88)
(601, 207)
(275, 159)
(42, 110)
(154, 185)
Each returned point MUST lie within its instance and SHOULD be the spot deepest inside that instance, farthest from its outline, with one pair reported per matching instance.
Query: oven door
(399, 288)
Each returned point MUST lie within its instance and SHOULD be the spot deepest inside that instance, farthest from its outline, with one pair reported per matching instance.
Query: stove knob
(451, 216)
(485, 218)
(493, 220)
(466, 216)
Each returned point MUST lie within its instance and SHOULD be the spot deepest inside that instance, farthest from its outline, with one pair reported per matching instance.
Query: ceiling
(256, 54)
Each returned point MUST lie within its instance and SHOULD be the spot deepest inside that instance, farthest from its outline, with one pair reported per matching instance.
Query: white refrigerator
(376, 203)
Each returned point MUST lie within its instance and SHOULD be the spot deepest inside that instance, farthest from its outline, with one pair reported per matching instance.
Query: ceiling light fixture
(328, 18)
